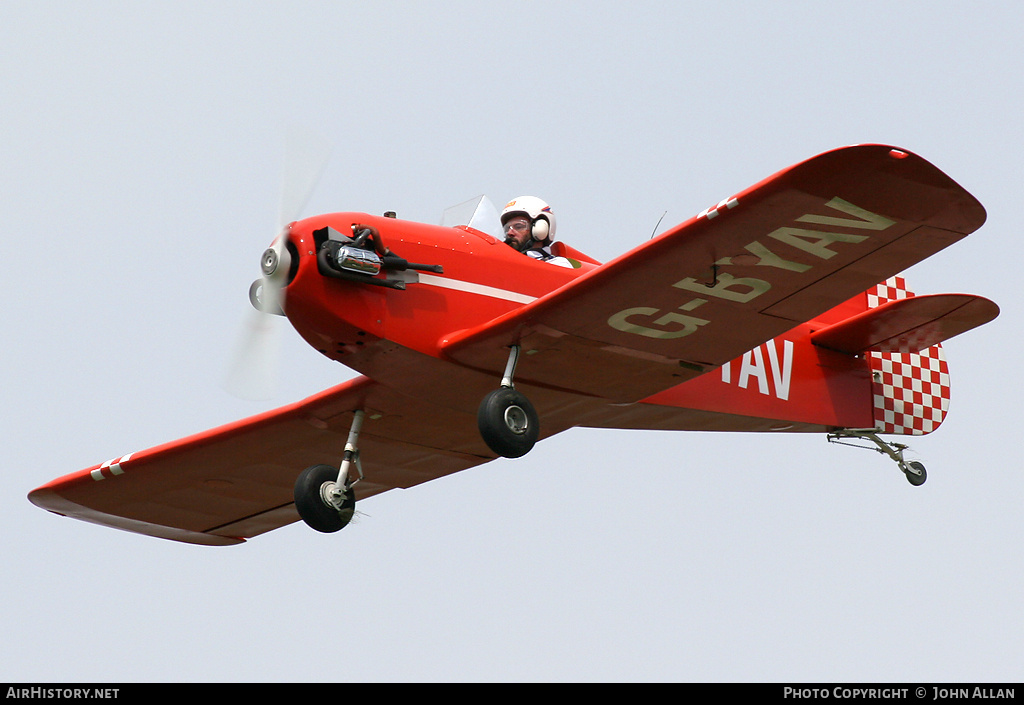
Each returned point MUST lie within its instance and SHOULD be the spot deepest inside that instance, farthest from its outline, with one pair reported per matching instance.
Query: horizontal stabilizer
(907, 325)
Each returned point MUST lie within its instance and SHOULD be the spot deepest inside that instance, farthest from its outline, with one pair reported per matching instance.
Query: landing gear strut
(324, 496)
(913, 470)
(507, 420)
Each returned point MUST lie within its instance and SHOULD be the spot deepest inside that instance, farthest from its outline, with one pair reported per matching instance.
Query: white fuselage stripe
(470, 287)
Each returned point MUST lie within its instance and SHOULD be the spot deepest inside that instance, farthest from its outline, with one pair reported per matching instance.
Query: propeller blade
(305, 159)
(254, 368)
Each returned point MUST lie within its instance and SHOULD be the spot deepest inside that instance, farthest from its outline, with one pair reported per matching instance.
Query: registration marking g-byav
(652, 322)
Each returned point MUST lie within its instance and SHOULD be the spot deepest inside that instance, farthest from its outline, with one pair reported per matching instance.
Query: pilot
(529, 227)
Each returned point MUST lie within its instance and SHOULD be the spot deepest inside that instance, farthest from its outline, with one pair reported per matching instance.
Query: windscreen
(478, 213)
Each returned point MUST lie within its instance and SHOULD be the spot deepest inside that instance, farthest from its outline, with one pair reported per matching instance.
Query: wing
(234, 482)
(736, 275)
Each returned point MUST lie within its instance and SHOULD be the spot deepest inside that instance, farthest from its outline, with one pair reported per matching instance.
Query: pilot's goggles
(519, 226)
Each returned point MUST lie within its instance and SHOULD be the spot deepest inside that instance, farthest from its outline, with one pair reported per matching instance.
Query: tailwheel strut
(507, 421)
(913, 470)
(324, 494)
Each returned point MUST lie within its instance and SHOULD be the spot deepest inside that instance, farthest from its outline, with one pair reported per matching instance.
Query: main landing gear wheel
(508, 423)
(915, 473)
(317, 503)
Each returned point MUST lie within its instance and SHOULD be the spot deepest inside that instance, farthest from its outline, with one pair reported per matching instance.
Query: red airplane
(777, 310)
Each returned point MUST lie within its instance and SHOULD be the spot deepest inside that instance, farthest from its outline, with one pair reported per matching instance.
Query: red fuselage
(392, 335)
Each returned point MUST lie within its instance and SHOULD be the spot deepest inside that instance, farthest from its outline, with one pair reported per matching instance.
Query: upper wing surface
(757, 264)
(222, 486)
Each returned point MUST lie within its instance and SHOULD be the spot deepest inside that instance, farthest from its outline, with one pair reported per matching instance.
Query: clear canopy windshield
(478, 213)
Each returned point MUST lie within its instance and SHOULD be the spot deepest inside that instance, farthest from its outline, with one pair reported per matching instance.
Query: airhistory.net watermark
(52, 693)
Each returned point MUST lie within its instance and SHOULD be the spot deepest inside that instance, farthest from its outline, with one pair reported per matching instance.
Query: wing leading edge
(739, 274)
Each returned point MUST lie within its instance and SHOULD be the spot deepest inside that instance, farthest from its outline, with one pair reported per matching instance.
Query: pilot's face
(517, 232)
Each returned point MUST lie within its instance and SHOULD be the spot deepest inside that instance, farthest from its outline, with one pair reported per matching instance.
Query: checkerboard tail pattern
(911, 390)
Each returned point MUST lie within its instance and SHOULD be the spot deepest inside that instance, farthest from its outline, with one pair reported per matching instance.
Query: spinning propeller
(254, 369)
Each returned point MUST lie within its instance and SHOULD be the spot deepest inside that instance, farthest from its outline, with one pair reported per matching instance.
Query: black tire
(508, 423)
(311, 506)
(916, 479)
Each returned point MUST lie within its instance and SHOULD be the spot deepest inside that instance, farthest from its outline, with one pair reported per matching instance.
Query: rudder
(911, 390)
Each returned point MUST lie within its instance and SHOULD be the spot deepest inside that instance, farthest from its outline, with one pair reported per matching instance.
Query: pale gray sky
(141, 146)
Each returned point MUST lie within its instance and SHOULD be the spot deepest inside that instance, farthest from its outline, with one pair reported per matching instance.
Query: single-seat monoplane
(779, 309)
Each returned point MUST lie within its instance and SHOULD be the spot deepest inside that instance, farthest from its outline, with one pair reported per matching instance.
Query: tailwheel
(508, 423)
(320, 503)
(913, 470)
(915, 473)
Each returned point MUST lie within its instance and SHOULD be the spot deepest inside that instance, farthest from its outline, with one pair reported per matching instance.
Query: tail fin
(911, 390)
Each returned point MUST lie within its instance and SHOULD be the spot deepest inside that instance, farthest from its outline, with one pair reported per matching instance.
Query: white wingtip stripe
(113, 465)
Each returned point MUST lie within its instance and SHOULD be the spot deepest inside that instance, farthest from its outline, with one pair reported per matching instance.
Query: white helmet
(539, 213)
